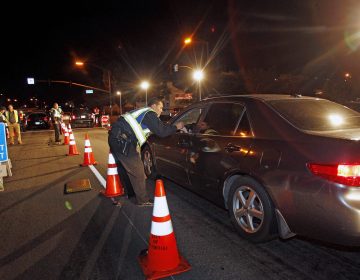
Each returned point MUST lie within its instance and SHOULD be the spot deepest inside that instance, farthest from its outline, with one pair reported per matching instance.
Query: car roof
(258, 96)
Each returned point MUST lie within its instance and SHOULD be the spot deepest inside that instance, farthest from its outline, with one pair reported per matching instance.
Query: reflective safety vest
(56, 113)
(7, 114)
(134, 119)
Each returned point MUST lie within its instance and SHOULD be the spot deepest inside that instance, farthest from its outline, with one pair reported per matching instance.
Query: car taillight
(45, 119)
(347, 174)
(73, 117)
(29, 120)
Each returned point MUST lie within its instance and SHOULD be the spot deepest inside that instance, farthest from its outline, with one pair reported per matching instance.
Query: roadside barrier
(72, 146)
(105, 120)
(113, 184)
(88, 153)
(162, 258)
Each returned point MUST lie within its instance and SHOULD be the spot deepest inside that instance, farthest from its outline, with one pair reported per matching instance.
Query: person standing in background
(56, 114)
(12, 118)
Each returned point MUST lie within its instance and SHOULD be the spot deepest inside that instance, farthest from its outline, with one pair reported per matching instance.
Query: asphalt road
(46, 234)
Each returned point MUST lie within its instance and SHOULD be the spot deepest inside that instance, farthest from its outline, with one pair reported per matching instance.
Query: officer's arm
(156, 126)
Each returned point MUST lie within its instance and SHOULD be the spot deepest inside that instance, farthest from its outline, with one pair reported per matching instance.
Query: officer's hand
(179, 125)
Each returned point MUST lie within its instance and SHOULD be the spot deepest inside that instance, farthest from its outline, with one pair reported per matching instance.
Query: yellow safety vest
(7, 114)
(134, 119)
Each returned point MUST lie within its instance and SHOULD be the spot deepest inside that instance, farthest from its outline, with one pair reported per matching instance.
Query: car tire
(251, 210)
(148, 162)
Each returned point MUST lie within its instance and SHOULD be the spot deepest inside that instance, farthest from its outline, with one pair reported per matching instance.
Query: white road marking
(98, 176)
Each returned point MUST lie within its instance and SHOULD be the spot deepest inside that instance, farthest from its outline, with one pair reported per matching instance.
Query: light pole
(145, 85)
(198, 75)
(119, 93)
(81, 64)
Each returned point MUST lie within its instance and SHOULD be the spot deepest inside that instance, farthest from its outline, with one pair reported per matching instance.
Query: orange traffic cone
(63, 128)
(72, 146)
(113, 185)
(66, 136)
(88, 154)
(162, 259)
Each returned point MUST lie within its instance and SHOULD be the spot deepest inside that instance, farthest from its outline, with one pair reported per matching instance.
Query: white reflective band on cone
(72, 143)
(111, 159)
(161, 229)
(72, 136)
(161, 208)
(66, 134)
(88, 150)
(87, 142)
(112, 171)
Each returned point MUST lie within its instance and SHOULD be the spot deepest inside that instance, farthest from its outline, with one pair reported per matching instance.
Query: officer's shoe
(148, 203)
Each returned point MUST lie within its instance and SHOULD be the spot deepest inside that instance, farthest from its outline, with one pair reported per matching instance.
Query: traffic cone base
(162, 258)
(151, 274)
(113, 184)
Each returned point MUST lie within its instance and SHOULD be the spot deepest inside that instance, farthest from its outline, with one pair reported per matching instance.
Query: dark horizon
(139, 39)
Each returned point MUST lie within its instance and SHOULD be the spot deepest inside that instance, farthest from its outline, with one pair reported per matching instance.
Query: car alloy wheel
(248, 209)
(251, 210)
(148, 163)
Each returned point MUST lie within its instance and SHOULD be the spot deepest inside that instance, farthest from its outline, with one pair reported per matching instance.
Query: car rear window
(316, 114)
(37, 115)
(82, 111)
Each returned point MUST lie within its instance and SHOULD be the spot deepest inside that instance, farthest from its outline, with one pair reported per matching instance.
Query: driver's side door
(171, 152)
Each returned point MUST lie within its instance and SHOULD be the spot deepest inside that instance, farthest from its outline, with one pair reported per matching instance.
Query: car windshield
(316, 114)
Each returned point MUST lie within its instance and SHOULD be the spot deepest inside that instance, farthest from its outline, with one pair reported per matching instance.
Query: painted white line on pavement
(98, 176)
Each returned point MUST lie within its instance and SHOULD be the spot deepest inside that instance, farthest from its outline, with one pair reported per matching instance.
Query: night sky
(137, 39)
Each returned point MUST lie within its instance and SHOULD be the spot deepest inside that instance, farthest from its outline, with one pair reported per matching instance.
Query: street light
(81, 64)
(145, 85)
(189, 40)
(198, 75)
(119, 93)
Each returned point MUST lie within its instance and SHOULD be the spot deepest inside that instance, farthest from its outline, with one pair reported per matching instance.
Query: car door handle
(232, 148)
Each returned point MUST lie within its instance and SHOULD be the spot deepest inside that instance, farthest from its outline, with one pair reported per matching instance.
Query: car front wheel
(148, 162)
(251, 210)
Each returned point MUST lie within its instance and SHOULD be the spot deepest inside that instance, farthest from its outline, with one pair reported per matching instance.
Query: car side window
(222, 118)
(190, 118)
(244, 128)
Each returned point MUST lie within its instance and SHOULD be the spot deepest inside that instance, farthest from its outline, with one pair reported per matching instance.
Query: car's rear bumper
(322, 210)
(81, 123)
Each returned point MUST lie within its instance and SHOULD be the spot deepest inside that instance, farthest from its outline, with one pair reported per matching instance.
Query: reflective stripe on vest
(56, 112)
(134, 119)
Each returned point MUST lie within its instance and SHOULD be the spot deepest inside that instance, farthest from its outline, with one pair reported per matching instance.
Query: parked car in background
(36, 120)
(282, 165)
(82, 117)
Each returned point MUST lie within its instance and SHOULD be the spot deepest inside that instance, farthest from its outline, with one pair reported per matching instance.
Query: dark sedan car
(37, 120)
(282, 165)
(82, 117)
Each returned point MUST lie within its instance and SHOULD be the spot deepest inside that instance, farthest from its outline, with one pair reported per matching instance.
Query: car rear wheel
(148, 162)
(251, 210)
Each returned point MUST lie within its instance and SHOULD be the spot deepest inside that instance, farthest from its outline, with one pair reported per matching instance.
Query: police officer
(56, 114)
(12, 118)
(127, 136)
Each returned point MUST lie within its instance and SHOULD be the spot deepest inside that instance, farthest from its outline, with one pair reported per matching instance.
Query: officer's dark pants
(134, 168)
(57, 132)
